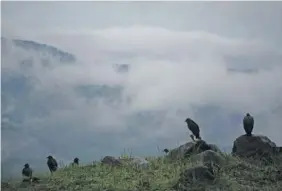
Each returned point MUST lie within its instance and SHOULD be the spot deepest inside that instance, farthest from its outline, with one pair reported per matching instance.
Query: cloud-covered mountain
(24, 102)
(18, 83)
(130, 91)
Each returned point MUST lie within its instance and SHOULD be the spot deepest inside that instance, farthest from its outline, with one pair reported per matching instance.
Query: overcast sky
(234, 19)
(180, 54)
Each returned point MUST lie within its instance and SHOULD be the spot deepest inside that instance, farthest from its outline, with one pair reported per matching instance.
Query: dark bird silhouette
(52, 164)
(166, 151)
(76, 161)
(193, 127)
(248, 123)
(27, 171)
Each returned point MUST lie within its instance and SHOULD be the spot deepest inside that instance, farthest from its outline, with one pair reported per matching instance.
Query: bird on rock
(194, 128)
(248, 123)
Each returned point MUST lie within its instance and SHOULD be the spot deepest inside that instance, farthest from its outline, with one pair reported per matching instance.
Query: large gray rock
(253, 146)
(109, 160)
(208, 158)
(200, 146)
(215, 148)
(191, 148)
(179, 152)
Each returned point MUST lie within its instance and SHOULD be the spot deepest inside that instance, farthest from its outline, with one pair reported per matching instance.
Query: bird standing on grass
(75, 162)
(166, 151)
(194, 128)
(27, 172)
(52, 164)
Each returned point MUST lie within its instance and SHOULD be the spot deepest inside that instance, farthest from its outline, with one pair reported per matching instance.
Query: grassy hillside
(162, 175)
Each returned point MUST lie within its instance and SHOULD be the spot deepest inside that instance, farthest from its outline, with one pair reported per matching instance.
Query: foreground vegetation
(162, 175)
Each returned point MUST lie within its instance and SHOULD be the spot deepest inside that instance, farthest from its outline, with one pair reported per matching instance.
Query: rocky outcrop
(209, 158)
(109, 160)
(215, 148)
(257, 146)
(191, 148)
(179, 152)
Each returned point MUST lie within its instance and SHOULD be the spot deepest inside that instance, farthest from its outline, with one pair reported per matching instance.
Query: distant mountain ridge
(31, 45)
(17, 89)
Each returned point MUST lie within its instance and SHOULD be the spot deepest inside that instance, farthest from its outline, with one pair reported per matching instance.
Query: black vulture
(166, 151)
(27, 171)
(52, 164)
(193, 127)
(248, 123)
(76, 161)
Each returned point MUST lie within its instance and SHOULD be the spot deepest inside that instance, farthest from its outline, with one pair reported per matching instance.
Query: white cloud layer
(171, 69)
(168, 70)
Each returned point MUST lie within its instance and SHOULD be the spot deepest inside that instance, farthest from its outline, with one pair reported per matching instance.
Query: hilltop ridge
(187, 167)
(32, 45)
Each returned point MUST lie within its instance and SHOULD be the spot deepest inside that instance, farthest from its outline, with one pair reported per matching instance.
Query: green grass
(161, 175)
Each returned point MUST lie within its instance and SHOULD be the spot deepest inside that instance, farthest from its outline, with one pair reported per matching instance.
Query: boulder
(208, 158)
(253, 146)
(198, 147)
(191, 148)
(215, 148)
(109, 160)
(179, 152)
